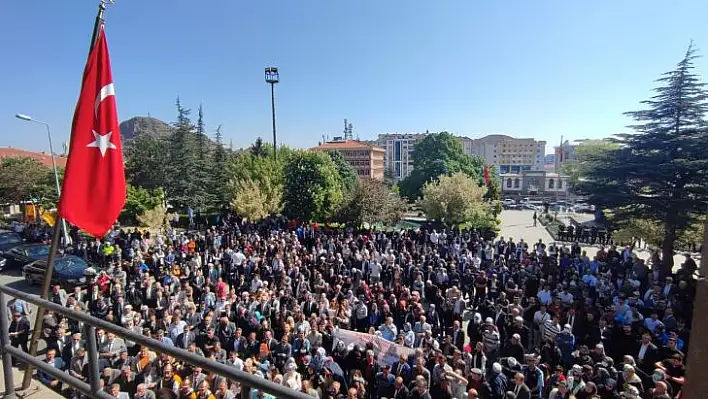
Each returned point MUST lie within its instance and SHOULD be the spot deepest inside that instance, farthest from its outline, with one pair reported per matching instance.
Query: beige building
(508, 154)
(365, 159)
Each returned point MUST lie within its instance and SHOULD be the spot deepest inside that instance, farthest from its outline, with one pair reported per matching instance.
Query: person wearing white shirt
(375, 272)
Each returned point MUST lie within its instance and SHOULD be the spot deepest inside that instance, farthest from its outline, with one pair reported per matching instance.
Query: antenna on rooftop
(348, 128)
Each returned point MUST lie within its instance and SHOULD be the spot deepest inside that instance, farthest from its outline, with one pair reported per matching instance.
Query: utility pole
(272, 76)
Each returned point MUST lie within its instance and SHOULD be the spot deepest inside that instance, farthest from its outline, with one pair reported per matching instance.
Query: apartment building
(367, 160)
(398, 149)
(509, 154)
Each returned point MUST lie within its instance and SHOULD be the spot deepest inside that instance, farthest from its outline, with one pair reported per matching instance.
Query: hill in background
(135, 126)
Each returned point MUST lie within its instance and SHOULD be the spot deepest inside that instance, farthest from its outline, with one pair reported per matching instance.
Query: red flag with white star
(93, 193)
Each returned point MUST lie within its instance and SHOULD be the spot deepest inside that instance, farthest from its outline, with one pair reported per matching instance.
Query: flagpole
(47, 283)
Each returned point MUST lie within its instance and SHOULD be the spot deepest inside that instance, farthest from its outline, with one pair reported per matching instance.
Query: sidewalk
(36, 389)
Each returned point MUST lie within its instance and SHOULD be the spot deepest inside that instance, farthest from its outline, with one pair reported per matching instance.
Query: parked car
(531, 207)
(23, 254)
(9, 240)
(583, 208)
(69, 271)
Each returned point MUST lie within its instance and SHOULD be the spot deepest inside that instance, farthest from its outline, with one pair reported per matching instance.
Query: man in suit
(56, 362)
(71, 349)
(402, 369)
(58, 295)
(186, 338)
(519, 388)
(197, 378)
(111, 347)
(458, 335)
(646, 354)
(573, 321)
(310, 306)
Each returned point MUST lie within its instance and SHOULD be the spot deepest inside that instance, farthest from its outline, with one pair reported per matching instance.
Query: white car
(583, 208)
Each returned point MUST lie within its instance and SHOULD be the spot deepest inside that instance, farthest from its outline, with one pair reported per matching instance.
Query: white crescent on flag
(107, 90)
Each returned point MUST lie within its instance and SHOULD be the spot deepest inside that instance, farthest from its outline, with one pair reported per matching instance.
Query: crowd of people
(484, 317)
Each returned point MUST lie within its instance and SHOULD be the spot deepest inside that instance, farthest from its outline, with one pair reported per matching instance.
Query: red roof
(43, 157)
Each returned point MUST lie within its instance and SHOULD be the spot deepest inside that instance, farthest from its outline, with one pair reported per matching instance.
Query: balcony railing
(93, 388)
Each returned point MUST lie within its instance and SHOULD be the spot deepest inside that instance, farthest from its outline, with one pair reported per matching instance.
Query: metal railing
(93, 388)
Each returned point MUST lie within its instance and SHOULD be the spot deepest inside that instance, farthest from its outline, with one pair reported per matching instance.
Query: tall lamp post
(27, 118)
(272, 77)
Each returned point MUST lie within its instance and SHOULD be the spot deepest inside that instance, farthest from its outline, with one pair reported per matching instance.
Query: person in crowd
(449, 312)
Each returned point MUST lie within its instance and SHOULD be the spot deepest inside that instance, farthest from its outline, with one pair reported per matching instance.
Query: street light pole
(54, 166)
(272, 77)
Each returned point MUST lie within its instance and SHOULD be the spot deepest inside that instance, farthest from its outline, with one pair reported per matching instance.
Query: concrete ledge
(36, 389)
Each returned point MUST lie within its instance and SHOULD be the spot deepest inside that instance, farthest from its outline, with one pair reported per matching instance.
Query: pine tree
(201, 136)
(659, 172)
(184, 188)
(218, 169)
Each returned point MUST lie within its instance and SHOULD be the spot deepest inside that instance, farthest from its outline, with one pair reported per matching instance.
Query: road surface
(518, 224)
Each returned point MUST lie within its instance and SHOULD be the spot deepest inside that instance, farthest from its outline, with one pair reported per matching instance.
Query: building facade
(533, 182)
(365, 159)
(508, 154)
(398, 148)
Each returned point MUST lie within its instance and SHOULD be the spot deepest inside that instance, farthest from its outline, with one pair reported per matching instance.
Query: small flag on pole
(486, 175)
(94, 188)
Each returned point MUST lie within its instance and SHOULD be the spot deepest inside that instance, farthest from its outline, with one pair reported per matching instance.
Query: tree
(312, 189)
(261, 170)
(187, 186)
(256, 200)
(140, 201)
(659, 172)
(201, 137)
(26, 179)
(587, 156)
(258, 149)
(147, 161)
(455, 200)
(219, 170)
(347, 174)
(439, 154)
(371, 202)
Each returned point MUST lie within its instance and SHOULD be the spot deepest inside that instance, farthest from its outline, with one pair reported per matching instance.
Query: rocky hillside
(143, 125)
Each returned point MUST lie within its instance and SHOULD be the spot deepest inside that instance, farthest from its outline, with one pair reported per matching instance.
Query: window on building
(508, 183)
(551, 183)
(517, 183)
(560, 183)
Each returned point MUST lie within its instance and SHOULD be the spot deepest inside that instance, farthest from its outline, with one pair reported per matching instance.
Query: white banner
(387, 352)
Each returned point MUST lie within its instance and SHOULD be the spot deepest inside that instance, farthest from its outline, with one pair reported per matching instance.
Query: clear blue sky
(541, 69)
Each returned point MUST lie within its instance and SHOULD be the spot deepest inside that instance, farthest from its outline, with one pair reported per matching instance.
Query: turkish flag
(486, 175)
(94, 189)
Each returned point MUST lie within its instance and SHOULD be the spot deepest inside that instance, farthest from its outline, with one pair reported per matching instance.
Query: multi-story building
(508, 154)
(365, 159)
(398, 149)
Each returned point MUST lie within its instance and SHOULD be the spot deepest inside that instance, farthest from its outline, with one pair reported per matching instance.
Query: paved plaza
(519, 224)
